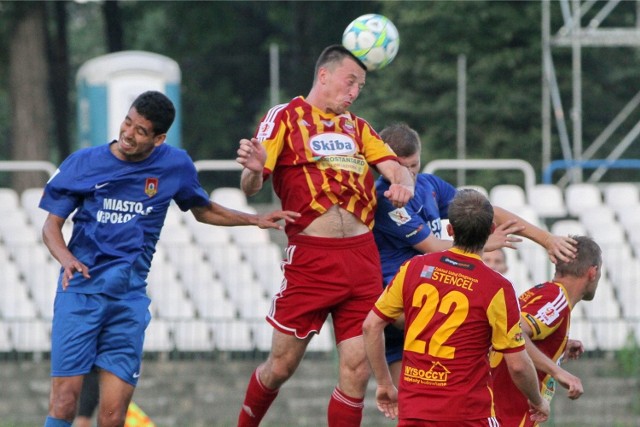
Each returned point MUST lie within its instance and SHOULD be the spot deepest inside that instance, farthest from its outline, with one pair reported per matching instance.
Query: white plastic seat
(582, 329)
(478, 188)
(629, 217)
(5, 341)
(324, 341)
(547, 200)
(266, 261)
(566, 227)
(157, 336)
(15, 302)
(232, 336)
(612, 334)
(230, 197)
(581, 196)
(262, 335)
(194, 335)
(211, 302)
(249, 235)
(621, 195)
(30, 199)
(30, 335)
(604, 305)
(507, 196)
(254, 308)
(598, 217)
(9, 200)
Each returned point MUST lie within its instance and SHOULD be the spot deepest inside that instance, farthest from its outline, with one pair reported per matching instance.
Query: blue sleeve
(444, 192)
(59, 197)
(190, 194)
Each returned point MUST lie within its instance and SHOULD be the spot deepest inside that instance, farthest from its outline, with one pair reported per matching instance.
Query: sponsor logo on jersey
(455, 263)
(400, 216)
(116, 211)
(414, 232)
(151, 187)
(437, 375)
(453, 278)
(331, 143)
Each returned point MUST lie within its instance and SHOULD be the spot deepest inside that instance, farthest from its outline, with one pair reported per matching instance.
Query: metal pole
(462, 116)
(274, 73)
(576, 114)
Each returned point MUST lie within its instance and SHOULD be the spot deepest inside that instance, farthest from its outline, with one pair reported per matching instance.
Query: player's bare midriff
(335, 223)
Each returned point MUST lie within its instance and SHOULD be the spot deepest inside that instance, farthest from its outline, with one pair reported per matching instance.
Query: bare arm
(216, 214)
(558, 247)
(524, 376)
(386, 393)
(543, 363)
(402, 184)
(54, 241)
(252, 156)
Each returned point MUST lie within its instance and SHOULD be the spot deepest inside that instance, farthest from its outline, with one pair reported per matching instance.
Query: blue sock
(56, 422)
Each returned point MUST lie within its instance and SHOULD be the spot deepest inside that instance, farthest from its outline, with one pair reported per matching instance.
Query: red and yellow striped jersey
(456, 308)
(547, 310)
(321, 159)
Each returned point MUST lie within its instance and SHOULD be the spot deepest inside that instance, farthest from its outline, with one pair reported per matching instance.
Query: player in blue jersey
(120, 193)
(416, 228)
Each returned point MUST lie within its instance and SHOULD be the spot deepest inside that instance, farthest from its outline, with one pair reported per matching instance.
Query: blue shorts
(95, 329)
(394, 343)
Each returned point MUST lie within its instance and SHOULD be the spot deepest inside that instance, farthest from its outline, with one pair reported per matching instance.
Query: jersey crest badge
(151, 187)
(547, 314)
(400, 216)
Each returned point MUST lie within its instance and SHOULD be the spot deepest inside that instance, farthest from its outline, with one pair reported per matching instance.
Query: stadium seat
(547, 200)
(234, 335)
(629, 217)
(15, 302)
(5, 341)
(508, 196)
(30, 199)
(582, 329)
(30, 335)
(266, 261)
(324, 341)
(193, 335)
(212, 303)
(517, 272)
(621, 195)
(262, 334)
(604, 305)
(9, 200)
(157, 336)
(580, 197)
(598, 217)
(611, 334)
(478, 188)
(566, 227)
(230, 197)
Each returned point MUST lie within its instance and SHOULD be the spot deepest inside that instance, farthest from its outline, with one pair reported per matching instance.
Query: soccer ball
(373, 39)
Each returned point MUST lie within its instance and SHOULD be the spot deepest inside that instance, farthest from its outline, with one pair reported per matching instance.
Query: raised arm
(216, 214)
(558, 247)
(252, 156)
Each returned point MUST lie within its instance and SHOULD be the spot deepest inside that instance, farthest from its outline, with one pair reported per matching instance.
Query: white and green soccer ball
(373, 39)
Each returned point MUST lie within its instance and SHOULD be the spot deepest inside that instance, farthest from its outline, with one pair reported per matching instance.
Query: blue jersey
(396, 230)
(120, 209)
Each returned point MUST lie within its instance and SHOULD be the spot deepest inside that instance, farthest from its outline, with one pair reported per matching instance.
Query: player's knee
(63, 405)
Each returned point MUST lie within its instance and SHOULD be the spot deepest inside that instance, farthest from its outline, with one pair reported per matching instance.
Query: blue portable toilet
(107, 86)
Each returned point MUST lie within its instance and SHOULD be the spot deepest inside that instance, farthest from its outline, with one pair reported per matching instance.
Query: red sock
(344, 411)
(256, 402)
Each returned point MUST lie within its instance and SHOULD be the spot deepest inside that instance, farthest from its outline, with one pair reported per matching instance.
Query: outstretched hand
(574, 349)
(502, 236)
(399, 195)
(387, 400)
(269, 220)
(560, 248)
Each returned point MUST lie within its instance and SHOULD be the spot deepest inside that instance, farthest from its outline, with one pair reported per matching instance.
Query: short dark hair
(588, 255)
(335, 54)
(157, 108)
(403, 140)
(471, 216)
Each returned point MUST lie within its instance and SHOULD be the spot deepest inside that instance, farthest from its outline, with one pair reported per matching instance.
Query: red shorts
(486, 422)
(323, 276)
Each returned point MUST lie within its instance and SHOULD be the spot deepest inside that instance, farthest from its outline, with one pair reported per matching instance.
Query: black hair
(157, 108)
(471, 216)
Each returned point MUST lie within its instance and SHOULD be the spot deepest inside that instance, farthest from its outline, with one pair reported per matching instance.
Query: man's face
(137, 139)
(342, 84)
(495, 260)
(412, 163)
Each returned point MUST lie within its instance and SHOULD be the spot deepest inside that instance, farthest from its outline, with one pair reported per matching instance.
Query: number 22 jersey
(456, 308)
